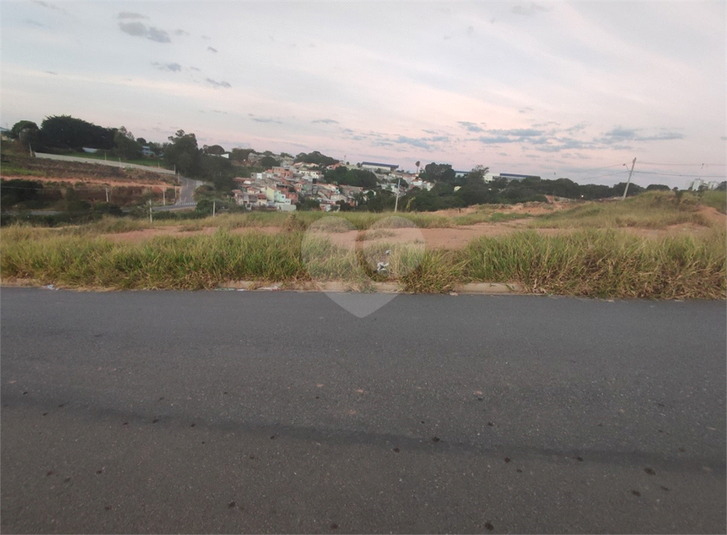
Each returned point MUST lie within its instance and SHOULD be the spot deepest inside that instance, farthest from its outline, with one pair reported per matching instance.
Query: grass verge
(594, 263)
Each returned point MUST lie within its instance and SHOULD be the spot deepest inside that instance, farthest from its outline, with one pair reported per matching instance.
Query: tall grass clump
(195, 262)
(653, 210)
(604, 264)
(715, 199)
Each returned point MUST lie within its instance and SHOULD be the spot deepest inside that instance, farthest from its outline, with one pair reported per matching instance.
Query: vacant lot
(649, 246)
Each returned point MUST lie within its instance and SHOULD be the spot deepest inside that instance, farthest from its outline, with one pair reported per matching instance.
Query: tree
(439, 172)
(64, 131)
(316, 158)
(268, 161)
(240, 155)
(27, 133)
(126, 146)
(351, 177)
(182, 152)
(20, 126)
(634, 189)
(216, 150)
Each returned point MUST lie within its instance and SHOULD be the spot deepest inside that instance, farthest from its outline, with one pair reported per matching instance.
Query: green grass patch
(715, 199)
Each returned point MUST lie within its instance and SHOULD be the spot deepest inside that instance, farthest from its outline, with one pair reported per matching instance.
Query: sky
(555, 89)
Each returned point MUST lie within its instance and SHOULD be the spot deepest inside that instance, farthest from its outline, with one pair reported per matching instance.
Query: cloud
(50, 6)
(160, 36)
(723, 138)
(563, 144)
(620, 134)
(216, 84)
(263, 119)
(137, 29)
(180, 32)
(666, 136)
(172, 67)
(212, 49)
(471, 127)
(531, 10)
(519, 132)
(325, 121)
(194, 68)
(525, 110)
(575, 128)
(34, 23)
(494, 140)
(51, 72)
(130, 15)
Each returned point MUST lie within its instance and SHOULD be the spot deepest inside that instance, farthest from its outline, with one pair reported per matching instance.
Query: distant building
(513, 176)
(379, 167)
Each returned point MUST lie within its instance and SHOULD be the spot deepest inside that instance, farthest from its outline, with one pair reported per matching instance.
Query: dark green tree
(182, 152)
(268, 161)
(216, 150)
(240, 155)
(20, 126)
(438, 172)
(67, 132)
(126, 146)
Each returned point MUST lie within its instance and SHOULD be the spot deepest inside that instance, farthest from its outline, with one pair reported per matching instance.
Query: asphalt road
(281, 412)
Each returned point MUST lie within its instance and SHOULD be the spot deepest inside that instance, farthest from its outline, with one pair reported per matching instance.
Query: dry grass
(596, 263)
(657, 210)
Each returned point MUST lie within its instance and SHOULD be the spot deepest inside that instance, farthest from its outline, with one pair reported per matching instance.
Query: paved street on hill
(133, 412)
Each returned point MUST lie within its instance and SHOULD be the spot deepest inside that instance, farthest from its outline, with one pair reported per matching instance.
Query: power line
(601, 176)
(686, 164)
(682, 175)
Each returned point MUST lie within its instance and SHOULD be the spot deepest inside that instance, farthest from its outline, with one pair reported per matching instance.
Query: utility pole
(626, 189)
(107, 195)
(150, 217)
(214, 208)
(164, 196)
(396, 202)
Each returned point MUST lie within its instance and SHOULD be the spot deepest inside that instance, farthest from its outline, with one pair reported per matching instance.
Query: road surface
(132, 412)
(186, 193)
